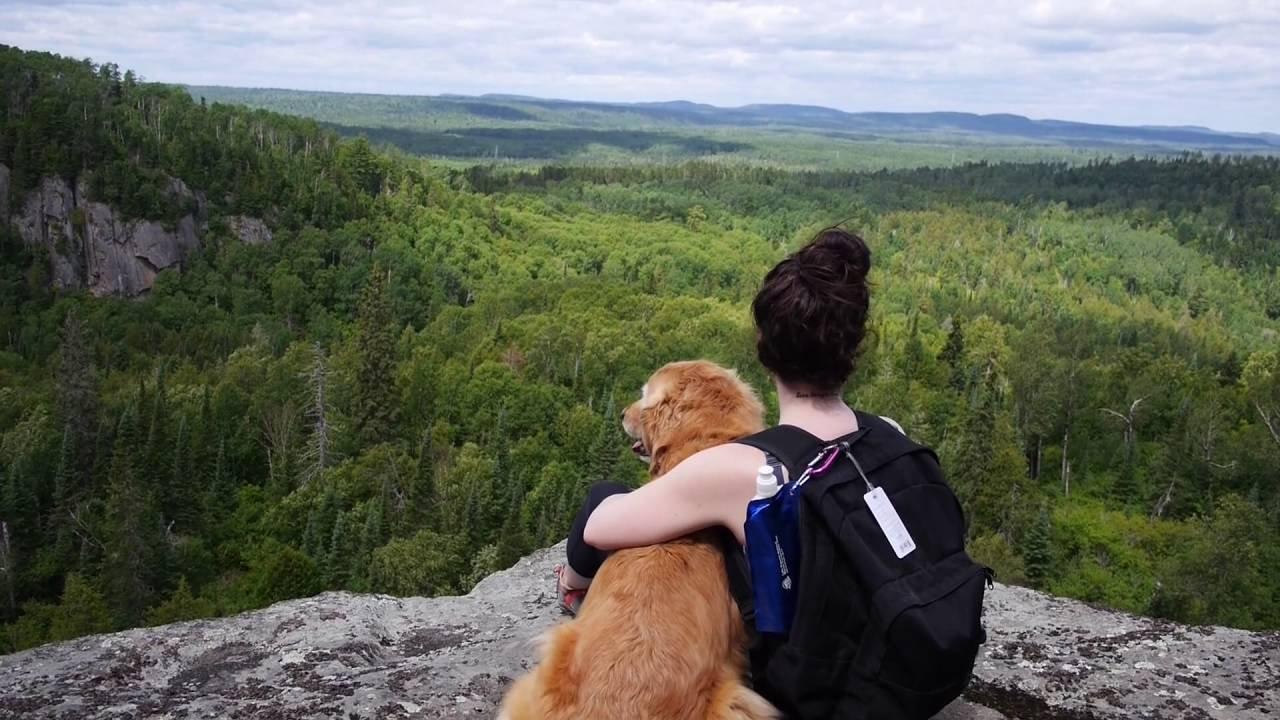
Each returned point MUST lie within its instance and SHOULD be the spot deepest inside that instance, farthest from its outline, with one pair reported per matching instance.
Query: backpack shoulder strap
(788, 444)
(878, 443)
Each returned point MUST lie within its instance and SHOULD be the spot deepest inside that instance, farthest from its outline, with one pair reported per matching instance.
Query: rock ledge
(339, 655)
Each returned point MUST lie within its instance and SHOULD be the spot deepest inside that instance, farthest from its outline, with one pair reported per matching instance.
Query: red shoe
(570, 598)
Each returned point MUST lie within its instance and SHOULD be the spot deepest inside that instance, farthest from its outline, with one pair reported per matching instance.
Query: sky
(1129, 62)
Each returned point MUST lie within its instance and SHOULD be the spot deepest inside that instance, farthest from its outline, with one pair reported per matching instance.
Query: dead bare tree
(278, 432)
(1130, 426)
(7, 566)
(1271, 419)
(316, 456)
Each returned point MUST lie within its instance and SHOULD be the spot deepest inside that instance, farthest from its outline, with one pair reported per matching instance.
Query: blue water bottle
(772, 544)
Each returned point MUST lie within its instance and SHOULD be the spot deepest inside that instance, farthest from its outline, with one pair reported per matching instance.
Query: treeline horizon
(414, 384)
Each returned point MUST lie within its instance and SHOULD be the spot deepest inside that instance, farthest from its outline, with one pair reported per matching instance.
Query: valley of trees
(414, 384)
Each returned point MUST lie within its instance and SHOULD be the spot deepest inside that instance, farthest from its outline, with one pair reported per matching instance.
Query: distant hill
(519, 108)
(522, 128)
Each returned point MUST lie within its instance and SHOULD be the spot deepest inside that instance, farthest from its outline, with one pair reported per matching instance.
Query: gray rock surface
(348, 656)
(250, 230)
(91, 246)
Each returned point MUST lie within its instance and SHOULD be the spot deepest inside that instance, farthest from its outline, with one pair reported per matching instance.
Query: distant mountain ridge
(446, 113)
(824, 118)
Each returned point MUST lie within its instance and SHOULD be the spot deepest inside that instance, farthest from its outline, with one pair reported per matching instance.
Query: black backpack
(874, 637)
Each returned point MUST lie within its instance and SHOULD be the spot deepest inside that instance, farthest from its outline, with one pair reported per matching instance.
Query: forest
(413, 384)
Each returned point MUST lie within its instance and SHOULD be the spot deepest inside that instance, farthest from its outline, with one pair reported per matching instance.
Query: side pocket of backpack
(924, 634)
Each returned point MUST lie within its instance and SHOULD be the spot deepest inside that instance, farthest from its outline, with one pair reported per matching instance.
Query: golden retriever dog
(659, 636)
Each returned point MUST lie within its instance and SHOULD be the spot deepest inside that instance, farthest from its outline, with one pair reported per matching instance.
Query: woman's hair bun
(837, 249)
(811, 311)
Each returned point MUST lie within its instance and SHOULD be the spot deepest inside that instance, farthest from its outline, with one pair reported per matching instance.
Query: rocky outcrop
(250, 230)
(89, 245)
(347, 656)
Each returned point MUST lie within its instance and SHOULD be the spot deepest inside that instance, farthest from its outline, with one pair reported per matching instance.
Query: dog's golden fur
(659, 637)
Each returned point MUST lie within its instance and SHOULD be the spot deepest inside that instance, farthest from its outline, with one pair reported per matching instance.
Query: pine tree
(130, 537)
(77, 397)
(988, 469)
(913, 354)
(371, 537)
(341, 555)
(181, 605)
(81, 612)
(326, 516)
(180, 495)
(1036, 552)
(513, 542)
(1125, 492)
(605, 450)
(953, 355)
(374, 398)
(157, 457)
(311, 541)
(219, 493)
(58, 528)
(422, 511)
(473, 526)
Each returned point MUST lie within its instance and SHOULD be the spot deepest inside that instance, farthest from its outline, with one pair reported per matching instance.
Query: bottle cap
(766, 483)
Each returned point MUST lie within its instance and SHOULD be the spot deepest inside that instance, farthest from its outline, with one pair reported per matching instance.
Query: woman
(810, 316)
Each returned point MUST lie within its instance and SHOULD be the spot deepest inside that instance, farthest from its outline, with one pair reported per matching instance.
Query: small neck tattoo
(816, 396)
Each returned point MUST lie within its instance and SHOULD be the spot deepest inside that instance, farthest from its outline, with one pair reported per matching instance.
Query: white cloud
(1121, 61)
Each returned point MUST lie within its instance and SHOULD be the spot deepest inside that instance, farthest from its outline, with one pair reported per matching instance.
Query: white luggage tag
(890, 524)
(885, 514)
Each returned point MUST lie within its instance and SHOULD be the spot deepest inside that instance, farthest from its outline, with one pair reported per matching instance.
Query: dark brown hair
(811, 311)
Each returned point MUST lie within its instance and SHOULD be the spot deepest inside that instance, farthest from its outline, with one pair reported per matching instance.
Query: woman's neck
(824, 414)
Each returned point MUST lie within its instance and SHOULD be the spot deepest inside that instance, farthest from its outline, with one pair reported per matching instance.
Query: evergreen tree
(513, 542)
(219, 495)
(606, 448)
(375, 400)
(179, 493)
(1126, 491)
(157, 458)
(423, 497)
(473, 527)
(83, 611)
(58, 525)
(987, 469)
(181, 605)
(77, 395)
(131, 538)
(913, 354)
(373, 535)
(953, 355)
(19, 505)
(1036, 552)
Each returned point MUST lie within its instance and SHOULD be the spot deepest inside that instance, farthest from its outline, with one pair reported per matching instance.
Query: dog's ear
(658, 459)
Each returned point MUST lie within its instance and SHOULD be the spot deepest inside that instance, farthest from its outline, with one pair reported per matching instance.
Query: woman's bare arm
(709, 488)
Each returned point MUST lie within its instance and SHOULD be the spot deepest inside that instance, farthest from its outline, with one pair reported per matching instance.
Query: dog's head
(689, 406)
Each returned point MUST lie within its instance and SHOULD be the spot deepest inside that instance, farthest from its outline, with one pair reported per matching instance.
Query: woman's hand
(709, 488)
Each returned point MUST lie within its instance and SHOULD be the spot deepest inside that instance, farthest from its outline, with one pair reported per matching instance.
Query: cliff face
(91, 246)
(348, 656)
